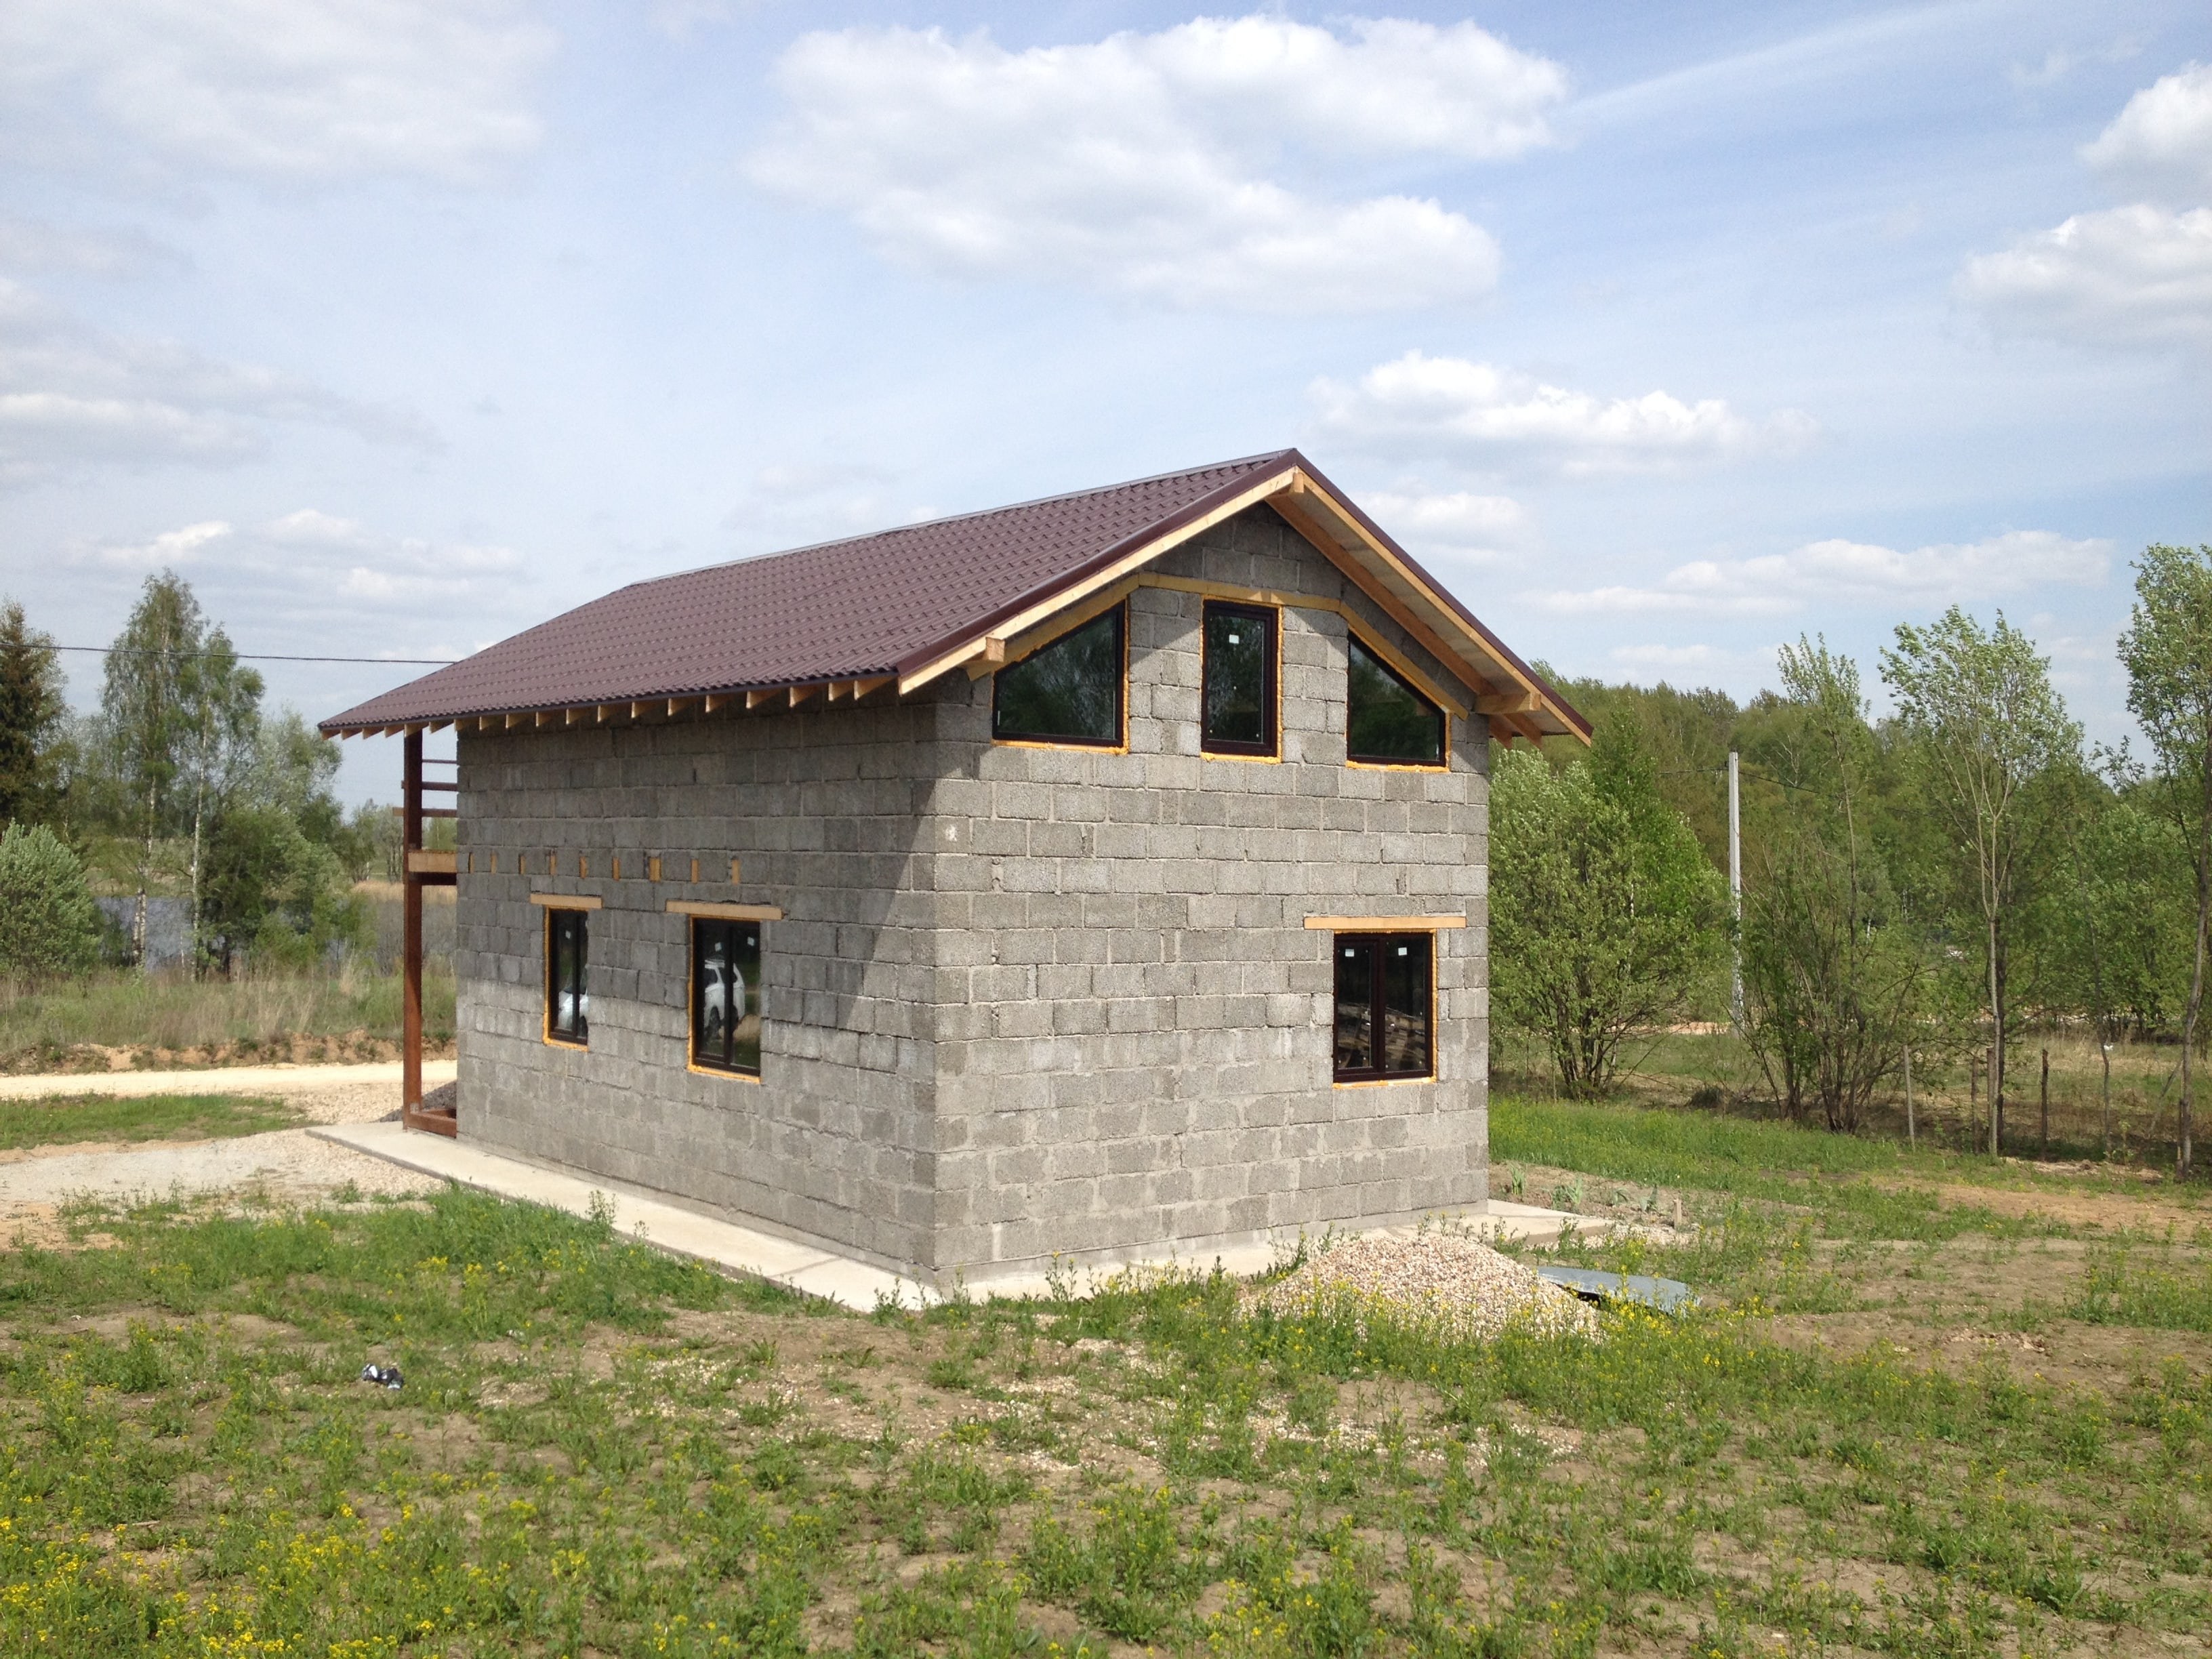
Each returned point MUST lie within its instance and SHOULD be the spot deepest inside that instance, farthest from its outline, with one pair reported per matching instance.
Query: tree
(1833, 978)
(1605, 916)
(33, 719)
(146, 718)
(273, 895)
(1987, 734)
(221, 740)
(49, 925)
(2167, 651)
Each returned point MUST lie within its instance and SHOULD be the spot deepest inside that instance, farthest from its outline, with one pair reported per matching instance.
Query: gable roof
(913, 602)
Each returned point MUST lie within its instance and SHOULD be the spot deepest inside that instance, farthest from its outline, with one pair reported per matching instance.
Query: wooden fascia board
(1076, 591)
(1338, 531)
(1299, 511)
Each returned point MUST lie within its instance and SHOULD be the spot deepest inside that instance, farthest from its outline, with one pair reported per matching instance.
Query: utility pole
(1735, 886)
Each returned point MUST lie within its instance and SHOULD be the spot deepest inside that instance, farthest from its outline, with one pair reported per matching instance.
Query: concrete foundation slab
(810, 1268)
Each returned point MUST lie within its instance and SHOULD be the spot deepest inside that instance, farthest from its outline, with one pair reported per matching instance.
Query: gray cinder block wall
(1026, 1001)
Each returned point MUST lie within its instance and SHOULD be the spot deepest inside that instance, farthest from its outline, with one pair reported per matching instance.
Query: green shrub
(49, 926)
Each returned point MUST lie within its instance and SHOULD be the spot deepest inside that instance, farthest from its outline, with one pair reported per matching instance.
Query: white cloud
(34, 244)
(72, 397)
(2129, 275)
(283, 89)
(1462, 527)
(1836, 572)
(1145, 166)
(1650, 662)
(2161, 143)
(1483, 415)
(165, 551)
(315, 565)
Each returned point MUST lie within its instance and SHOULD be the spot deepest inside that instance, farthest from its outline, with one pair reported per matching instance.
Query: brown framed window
(1070, 691)
(1385, 1006)
(725, 995)
(1388, 723)
(567, 996)
(1238, 695)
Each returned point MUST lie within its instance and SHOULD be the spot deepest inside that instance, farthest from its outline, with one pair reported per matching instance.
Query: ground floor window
(726, 1013)
(568, 1000)
(1385, 1006)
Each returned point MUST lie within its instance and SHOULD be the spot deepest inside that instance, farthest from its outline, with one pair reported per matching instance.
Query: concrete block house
(1094, 878)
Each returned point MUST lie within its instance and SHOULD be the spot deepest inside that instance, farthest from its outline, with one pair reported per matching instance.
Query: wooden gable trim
(1075, 592)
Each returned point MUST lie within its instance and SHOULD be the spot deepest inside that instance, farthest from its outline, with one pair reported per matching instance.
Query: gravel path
(1437, 1278)
(287, 1165)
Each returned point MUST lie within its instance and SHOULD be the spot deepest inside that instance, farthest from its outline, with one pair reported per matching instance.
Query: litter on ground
(1593, 1284)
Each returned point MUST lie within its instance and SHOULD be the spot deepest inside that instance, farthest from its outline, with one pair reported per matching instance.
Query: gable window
(1238, 695)
(567, 1000)
(1390, 723)
(1069, 691)
(725, 995)
(1385, 1006)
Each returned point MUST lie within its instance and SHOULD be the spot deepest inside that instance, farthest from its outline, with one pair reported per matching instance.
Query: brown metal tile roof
(881, 604)
(874, 605)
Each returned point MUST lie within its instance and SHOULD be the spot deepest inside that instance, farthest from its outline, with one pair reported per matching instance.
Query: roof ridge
(1264, 456)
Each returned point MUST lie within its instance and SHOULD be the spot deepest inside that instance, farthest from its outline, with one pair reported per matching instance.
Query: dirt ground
(284, 1165)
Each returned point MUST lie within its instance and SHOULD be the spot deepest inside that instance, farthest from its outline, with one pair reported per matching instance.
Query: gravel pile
(1445, 1281)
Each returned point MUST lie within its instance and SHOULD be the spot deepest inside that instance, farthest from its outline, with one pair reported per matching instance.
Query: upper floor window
(568, 1000)
(1238, 698)
(1390, 723)
(1069, 691)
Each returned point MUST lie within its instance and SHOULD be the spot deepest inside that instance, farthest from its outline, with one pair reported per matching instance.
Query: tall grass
(40, 1025)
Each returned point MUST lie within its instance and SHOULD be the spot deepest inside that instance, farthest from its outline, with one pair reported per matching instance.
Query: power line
(251, 656)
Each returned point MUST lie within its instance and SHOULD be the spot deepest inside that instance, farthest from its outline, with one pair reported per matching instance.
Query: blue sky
(1664, 332)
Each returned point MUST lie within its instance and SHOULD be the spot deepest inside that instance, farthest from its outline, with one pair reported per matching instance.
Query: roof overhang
(1508, 692)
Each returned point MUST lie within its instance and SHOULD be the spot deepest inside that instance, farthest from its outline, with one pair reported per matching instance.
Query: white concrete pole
(1735, 884)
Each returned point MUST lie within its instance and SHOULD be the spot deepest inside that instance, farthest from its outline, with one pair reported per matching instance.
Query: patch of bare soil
(2097, 1358)
(2140, 1211)
(345, 1048)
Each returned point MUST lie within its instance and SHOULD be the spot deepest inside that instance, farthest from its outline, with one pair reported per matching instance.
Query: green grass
(599, 1448)
(54, 1120)
(2144, 1286)
(1858, 1187)
(118, 1009)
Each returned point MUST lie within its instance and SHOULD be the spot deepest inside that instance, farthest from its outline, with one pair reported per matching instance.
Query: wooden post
(2046, 1101)
(411, 949)
(1912, 1135)
(1973, 1099)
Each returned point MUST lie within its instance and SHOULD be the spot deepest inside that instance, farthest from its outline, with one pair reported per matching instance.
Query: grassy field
(1969, 1414)
(1715, 1068)
(64, 1120)
(161, 1020)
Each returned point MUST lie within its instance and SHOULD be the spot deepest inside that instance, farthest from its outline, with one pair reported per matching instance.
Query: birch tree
(2167, 651)
(1987, 732)
(145, 718)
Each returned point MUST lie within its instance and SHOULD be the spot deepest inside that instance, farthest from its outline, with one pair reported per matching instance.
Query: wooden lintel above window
(565, 900)
(725, 912)
(1384, 924)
